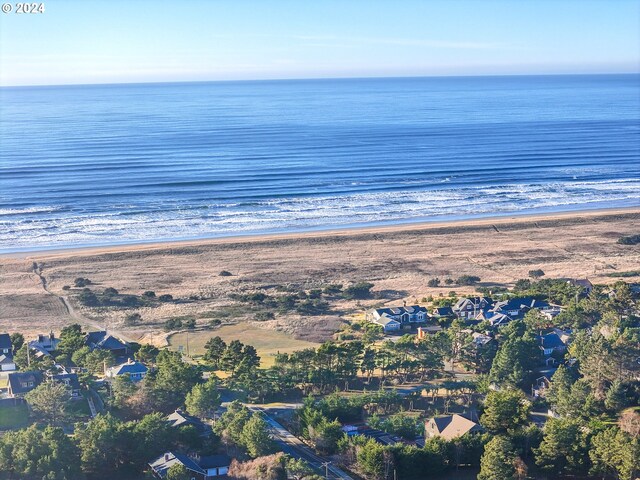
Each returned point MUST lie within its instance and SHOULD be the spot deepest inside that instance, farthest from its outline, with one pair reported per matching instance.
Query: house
(481, 340)
(21, 383)
(402, 315)
(540, 387)
(200, 468)
(6, 363)
(45, 343)
(501, 313)
(134, 369)
(441, 312)
(103, 341)
(468, 308)
(6, 347)
(69, 380)
(214, 465)
(180, 419)
(550, 343)
(449, 427)
(388, 324)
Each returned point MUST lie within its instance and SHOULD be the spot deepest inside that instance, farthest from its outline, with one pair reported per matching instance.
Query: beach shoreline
(409, 226)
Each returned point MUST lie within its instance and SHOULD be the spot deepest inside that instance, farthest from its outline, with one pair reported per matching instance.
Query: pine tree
(498, 461)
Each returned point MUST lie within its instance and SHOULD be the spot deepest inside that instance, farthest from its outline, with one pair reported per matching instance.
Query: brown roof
(449, 426)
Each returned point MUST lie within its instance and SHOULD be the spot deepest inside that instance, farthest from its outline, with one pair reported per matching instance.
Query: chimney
(167, 456)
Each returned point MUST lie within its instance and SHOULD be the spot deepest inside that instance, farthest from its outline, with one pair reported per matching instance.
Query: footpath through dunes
(399, 259)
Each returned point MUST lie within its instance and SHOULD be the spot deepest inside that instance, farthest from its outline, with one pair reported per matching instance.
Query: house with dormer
(395, 318)
(468, 308)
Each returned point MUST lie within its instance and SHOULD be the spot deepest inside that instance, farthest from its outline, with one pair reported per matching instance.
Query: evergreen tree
(505, 410)
(498, 461)
(214, 350)
(563, 449)
(203, 399)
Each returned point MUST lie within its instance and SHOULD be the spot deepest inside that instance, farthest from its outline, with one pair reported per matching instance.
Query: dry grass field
(267, 342)
(399, 260)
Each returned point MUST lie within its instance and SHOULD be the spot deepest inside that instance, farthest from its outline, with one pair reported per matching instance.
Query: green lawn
(266, 342)
(14, 417)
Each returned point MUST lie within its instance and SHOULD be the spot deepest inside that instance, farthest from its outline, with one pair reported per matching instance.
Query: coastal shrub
(225, 273)
(332, 289)
(88, 298)
(467, 280)
(263, 316)
(132, 319)
(189, 323)
(149, 294)
(216, 322)
(81, 282)
(166, 298)
(312, 307)
(449, 281)
(433, 283)
(358, 290)
(538, 273)
(172, 324)
(629, 240)
(630, 273)
(66, 287)
(110, 291)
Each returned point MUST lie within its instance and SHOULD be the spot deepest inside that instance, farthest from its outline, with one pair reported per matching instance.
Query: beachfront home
(401, 315)
(134, 369)
(199, 468)
(103, 341)
(45, 343)
(449, 427)
(21, 383)
(469, 308)
(6, 347)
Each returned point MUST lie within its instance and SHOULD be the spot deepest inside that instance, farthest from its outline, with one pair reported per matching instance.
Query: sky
(114, 41)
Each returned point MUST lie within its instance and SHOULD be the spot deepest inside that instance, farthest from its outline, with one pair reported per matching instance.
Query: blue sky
(108, 41)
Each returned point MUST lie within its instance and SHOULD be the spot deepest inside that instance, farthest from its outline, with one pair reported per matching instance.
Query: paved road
(293, 446)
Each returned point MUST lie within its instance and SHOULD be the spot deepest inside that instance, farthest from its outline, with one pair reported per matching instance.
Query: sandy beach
(399, 260)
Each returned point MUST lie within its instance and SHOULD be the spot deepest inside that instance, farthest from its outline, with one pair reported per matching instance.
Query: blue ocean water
(105, 164)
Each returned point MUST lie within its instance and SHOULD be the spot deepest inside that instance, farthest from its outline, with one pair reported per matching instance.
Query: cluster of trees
(110, 297)
(176, 323)
(463, 280)
(239, 428)
(104, 448)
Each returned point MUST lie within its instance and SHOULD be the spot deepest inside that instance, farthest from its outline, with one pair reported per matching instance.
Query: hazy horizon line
(328, 78)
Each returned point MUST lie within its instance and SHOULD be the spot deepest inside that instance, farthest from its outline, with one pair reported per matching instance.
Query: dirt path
(71, 311)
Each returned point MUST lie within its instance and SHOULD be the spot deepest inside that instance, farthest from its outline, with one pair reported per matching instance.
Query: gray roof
(104, 341)
(551, 340)
(180, 418)
(129, 368)
(5, 359)
(70, 379)
(411, 310)
(166, 461)
(213, 461)
(5, 341)
(17, 379)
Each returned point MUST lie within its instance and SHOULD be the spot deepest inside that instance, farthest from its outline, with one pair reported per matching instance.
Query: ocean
(111, 164)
